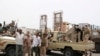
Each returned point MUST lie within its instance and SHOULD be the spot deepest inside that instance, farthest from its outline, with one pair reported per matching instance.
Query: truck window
(95, 33)
(60, 36)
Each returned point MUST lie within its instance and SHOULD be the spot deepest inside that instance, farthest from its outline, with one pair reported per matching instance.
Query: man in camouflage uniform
(86, 33)
(73, 34)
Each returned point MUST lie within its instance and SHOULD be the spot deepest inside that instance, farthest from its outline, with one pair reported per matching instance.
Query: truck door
(52, 41)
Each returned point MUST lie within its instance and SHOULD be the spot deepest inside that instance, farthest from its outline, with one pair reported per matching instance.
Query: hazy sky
(28, 12)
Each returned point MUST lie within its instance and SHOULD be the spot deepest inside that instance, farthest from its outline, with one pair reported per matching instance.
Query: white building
(24, 29)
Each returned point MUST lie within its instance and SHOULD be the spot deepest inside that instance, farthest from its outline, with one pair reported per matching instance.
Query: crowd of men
(31, 44)
(77, 34)
(35, 44)
(8, 29)
(26, 43)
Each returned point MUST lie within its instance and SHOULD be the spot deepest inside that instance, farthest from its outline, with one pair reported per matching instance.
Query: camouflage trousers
(27, 50)
(43, 51)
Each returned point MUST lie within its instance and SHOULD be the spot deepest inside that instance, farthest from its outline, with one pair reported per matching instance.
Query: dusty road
(56, 53)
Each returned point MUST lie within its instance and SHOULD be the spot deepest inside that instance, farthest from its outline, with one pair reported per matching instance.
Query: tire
(68, 52)
(10, 51)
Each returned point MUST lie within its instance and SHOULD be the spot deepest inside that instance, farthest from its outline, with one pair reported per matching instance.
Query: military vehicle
(7, 39)
(7, 45)
(59, 42)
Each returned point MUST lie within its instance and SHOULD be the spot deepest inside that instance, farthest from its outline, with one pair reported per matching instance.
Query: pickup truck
(69, 48)
(7, 45)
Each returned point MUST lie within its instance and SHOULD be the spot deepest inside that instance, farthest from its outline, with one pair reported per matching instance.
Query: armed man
(86, 33)
(70, 33)
(74, 34)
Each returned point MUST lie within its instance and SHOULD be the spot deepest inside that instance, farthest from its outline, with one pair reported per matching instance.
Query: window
(60, 36)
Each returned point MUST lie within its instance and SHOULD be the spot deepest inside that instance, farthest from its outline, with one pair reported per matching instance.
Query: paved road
(56, 53)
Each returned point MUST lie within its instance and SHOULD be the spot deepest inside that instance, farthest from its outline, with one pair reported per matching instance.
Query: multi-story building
(93, 27)
(64, 27)
(58, 21)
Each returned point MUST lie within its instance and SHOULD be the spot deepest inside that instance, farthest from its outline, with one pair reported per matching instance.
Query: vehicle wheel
(68, 52)
(11, 51)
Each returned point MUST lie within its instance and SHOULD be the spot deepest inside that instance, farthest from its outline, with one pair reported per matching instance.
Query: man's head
(76, 26)
(17, 30)
(44, 35)
(86, 26)
(0, 25)
(37, 34)
(13, 23)
(20, 31)
(28, 34)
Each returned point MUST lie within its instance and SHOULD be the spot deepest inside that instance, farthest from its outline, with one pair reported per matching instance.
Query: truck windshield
(95, 33)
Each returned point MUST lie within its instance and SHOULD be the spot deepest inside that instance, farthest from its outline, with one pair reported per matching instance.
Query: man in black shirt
(78, 30)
